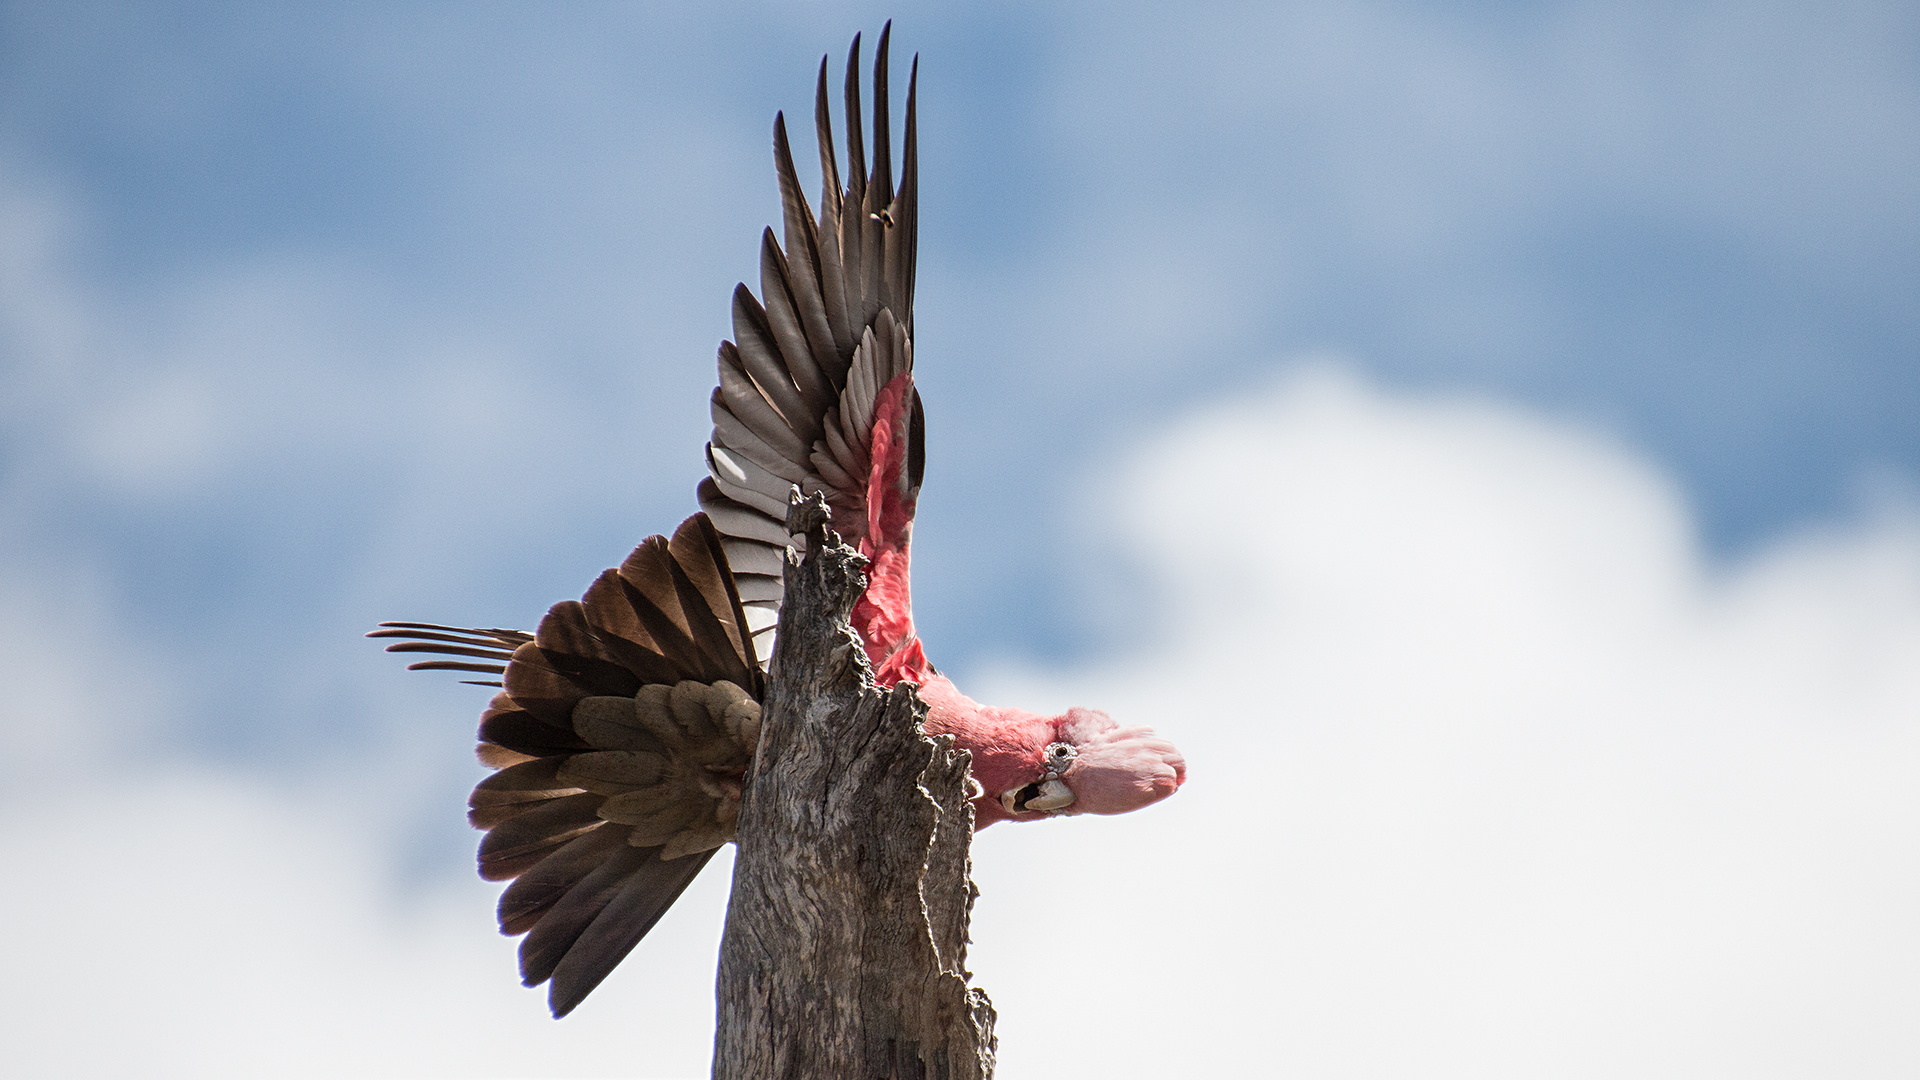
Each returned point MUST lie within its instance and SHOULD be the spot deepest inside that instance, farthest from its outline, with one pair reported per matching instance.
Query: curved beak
(1053, 795)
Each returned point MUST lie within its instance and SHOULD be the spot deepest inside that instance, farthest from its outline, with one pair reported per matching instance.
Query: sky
(1479, 434)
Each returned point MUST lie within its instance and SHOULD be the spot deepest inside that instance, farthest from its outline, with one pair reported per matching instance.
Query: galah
(625, 725)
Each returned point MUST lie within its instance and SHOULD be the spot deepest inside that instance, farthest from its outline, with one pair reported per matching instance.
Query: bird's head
(1092, 766)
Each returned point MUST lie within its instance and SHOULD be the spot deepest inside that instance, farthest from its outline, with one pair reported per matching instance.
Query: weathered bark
(845, 947)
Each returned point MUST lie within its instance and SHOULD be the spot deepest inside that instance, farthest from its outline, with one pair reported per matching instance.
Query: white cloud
(197, 925)
(1490, 777)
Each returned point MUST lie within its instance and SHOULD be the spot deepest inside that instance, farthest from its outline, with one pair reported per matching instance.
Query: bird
(625, 723)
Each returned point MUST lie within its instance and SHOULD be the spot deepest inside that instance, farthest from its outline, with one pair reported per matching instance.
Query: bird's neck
(1005, 742)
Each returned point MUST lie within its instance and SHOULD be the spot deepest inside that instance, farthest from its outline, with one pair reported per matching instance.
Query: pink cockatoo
(626, 723)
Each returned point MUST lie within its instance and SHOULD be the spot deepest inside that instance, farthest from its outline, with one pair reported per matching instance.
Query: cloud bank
(1491, 776)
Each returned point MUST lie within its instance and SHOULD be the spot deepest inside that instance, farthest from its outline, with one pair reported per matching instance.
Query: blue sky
(316, 315)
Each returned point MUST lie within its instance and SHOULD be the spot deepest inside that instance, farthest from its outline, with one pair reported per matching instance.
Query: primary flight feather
(626, 722)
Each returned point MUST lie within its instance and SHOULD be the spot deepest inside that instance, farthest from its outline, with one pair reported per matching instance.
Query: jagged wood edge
(845, 945)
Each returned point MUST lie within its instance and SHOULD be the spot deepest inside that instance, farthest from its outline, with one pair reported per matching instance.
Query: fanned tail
(619, 738)
(624, 723)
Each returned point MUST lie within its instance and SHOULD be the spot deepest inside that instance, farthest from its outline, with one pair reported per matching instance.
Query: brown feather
(610, 723)
(545, 945)
(537, 688)
(496, 653)
(628, 914)
(651, 591)
(495, 756)
(542, 885)
(573, 650)
(454, 665)
(521, 731)
(723, 659)
(621, 632)
(698, 550)
(524, 839)
(491, 814)
(526, 781)
(645, 573)
(493, 636)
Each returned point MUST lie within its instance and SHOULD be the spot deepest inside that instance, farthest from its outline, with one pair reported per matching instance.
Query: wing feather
(757, 589)
(720, 653)
(805, 268)
(833, 279)
(760, 358)
(753, 557)
(746, 483)
(701, 557)
(902, 240)
(733, 435)
(577, 654)
(584, 894)
(830, 469)
(878, 194)
(783, 322)
(744, 400)
(851, 217)
(832, 327)
(661, 654)
(493, 646)
(845, 448)
(738, 521)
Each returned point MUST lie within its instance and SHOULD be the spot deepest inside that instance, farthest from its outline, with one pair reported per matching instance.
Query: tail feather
(616, 719)
(660, 667)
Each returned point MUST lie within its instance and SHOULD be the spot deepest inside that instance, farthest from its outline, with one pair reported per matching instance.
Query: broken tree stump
(845, 947)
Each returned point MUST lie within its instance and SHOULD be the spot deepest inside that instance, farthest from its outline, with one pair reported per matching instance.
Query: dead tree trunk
(845, 947)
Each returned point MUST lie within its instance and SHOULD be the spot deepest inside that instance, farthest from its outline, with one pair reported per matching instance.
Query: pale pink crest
(1117, 769)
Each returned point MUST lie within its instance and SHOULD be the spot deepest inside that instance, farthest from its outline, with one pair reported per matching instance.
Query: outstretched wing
(816, 389)
(625, 722)
(620, 735)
